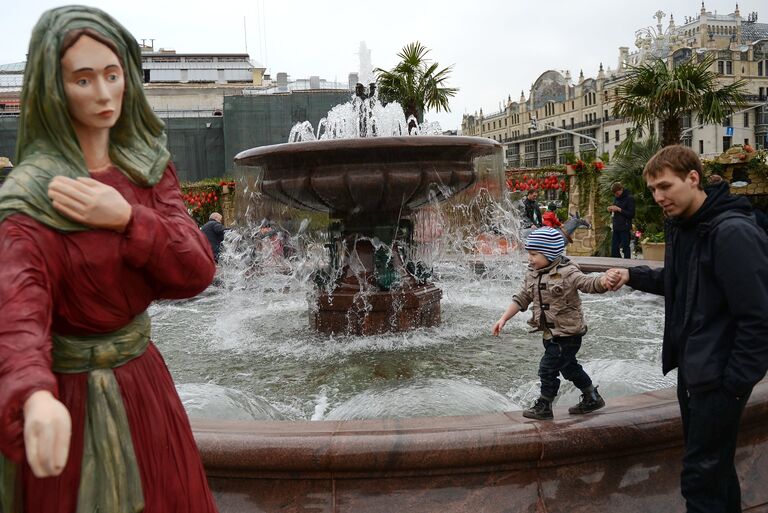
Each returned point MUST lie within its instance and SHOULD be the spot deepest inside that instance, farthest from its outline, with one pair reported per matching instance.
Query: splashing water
(362, 117)
(249, 331)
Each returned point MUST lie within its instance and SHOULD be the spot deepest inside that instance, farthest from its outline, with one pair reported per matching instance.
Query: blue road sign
(729, 131)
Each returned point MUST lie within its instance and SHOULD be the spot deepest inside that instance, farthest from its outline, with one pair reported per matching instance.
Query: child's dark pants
(560, 358)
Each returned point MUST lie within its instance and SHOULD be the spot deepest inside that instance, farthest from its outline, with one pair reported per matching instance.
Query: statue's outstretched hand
(90, 202)
(47, 432)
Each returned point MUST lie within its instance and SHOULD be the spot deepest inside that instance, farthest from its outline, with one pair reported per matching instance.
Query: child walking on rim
(552, 286)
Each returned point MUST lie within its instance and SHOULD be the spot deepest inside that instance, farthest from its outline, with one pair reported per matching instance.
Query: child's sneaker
(590, 401)
(541, 410)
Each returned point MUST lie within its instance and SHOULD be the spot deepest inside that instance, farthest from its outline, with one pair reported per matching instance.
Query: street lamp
(595, 142)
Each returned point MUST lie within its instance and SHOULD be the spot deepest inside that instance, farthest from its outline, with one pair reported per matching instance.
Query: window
(617, 135)
(728, 121)
(571, 122)
(746, 142)
(728, 67)
(760, 68)
(720, 67)
(605, 115)
(701, 147)
(726, 143)
(607, 137)
(746, 119)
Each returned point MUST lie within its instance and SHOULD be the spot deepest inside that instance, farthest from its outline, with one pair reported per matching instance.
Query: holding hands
(90, 202)
(614, 279)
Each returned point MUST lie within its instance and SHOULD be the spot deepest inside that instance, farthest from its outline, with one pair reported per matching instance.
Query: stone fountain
(370, 187)
(624, 458)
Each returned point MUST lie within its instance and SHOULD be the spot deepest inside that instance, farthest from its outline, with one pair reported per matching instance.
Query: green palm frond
(654, 91)
(415, 83)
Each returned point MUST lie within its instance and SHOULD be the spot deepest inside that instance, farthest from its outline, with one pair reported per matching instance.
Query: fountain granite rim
(319, 449)
(622, 458)
(330, 148)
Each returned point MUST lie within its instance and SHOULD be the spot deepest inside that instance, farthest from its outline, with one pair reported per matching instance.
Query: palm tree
(654, 91)
(415, 83)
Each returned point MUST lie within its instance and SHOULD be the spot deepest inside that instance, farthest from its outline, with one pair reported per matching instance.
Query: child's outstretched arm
(593, 284)
(510, 312)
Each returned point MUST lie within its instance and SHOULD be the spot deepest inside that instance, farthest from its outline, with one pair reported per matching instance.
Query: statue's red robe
(96, 282)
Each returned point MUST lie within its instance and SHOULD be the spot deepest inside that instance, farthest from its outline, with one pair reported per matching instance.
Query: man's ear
(695, 177)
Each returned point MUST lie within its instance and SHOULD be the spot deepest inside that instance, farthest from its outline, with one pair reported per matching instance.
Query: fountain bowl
(382, 176)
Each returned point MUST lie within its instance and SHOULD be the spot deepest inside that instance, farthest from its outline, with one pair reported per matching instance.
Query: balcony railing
(544, 132)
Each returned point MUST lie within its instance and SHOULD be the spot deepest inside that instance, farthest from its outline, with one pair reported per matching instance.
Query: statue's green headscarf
(47, 145)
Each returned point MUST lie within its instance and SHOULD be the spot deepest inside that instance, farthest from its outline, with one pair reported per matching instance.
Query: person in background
(714, 179)
(550, 217)
(623, 211)
(214, 231)
(531, 209)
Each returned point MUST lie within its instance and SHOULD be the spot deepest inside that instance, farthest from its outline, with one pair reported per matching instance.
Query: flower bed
(204, 198)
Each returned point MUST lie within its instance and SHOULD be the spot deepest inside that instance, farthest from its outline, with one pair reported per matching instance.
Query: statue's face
(93, 84)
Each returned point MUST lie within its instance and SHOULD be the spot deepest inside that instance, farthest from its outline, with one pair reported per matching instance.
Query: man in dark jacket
(531, 209)
(623, 210)
(715, 288)
(214, 230)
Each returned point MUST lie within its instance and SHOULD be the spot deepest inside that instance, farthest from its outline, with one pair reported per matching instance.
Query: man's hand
(47, 432)
(617, 278)
(90, 202)
(613, 208)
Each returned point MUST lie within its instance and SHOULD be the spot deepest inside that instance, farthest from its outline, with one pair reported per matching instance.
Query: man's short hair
(616, 186)
(679, 159)
(214, 216)
(531, 191)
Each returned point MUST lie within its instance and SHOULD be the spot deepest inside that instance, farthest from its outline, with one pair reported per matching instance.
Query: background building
(213, 105)
(740, 46)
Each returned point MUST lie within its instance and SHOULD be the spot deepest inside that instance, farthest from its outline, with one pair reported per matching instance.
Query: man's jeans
(560, 358)
(620, 239)
(710, 426)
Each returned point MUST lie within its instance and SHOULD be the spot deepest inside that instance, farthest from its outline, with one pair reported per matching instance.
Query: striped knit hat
(546, 241)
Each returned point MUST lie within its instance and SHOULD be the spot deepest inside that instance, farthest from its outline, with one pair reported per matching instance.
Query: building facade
(213, 106)
(739, 46)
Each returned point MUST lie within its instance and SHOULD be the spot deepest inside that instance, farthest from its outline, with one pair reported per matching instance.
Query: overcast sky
(498, 47)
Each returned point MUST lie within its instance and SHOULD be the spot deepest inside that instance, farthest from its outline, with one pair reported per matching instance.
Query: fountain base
(356, 313)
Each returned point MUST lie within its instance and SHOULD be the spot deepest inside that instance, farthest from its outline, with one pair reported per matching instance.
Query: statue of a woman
(92, 230)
